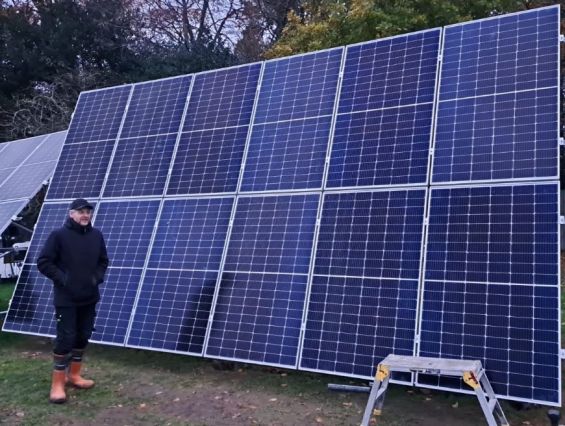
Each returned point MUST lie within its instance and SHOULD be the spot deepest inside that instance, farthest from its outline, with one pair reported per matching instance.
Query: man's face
(81, 216)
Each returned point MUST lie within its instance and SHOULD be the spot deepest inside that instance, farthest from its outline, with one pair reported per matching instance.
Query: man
(74, 257)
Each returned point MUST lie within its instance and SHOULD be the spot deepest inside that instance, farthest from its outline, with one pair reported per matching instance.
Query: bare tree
(191, 22)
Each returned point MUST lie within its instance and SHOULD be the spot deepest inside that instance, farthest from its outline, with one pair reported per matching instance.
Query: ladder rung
(492, 404)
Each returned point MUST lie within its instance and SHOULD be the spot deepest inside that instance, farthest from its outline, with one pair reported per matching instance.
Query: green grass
(6, 290)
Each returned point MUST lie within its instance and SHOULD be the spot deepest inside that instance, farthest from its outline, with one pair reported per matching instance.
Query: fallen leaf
(158, 393)
(272, 399)
(525, 422)
(347, 404)
(319, 420)
(284, 374)
(20, 414)
(456, 405)
(283, 385)
(176, 400)
(428, 399)
(142, 405)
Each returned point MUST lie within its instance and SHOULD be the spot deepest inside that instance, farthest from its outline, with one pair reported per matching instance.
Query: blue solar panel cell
(173, 309)
(98, 115)
(287, 155)
(510, 136)
(208, 161)
(127, 227)
(383, 147)
(504, 234)
(258, 318)
(81, 170)
(52, 216)
(272, 234)
(191, 234)
(391, 72)
(31, 310)
(512, 329)
(301, 86)
(510, 53)
(222, 98)
(354, 323)
(140, 166)
(117, 295)
(371, 234)
(156, 107)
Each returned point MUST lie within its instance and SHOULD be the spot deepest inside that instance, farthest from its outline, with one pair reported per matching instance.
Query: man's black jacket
(74, 257)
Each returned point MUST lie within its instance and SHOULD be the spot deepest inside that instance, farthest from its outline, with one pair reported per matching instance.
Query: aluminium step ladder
(472, 372)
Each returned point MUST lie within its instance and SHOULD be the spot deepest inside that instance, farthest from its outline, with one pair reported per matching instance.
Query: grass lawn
(6, 290)
(141, 387)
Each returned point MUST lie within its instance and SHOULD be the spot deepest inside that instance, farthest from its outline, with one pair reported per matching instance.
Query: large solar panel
(25, 166)
(210, 150)
(496, 110)
(292, 125)
(259, 307)
(98, 115)
(384, 123)
(364, 291)
(491, 285)
(286, 213)
(176, 295)
(89, 145)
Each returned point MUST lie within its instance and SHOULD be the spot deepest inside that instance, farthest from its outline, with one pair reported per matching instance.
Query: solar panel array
(25, 165)
(324, 210)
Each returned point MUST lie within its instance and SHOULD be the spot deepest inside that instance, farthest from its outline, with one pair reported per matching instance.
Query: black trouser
(74, 327)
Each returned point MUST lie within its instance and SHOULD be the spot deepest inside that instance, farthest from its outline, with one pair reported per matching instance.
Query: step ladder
(472, 372)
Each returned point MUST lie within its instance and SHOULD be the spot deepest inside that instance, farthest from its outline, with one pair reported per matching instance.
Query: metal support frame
(472, 373)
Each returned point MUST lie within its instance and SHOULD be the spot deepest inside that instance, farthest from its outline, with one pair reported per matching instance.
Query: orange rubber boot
(57, 394)
(75, 379)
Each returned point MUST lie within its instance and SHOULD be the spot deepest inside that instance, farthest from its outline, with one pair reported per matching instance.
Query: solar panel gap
(433, 131)
(244, 158)
(327, 160)
(115, 147)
